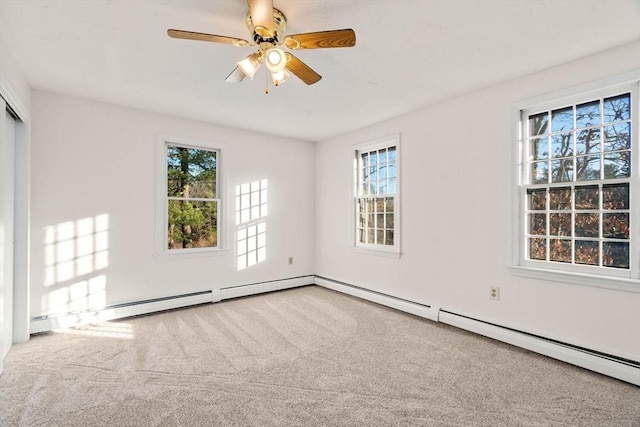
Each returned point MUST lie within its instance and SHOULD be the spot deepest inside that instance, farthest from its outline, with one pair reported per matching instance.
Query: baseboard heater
(610, 365)
(135, 308)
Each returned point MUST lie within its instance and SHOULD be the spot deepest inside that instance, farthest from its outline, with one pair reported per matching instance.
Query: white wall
(95, 160)
(455, 205)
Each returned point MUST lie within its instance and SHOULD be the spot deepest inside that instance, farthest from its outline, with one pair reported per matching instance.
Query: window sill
(377, 252)
(607, 282)
(192, 253)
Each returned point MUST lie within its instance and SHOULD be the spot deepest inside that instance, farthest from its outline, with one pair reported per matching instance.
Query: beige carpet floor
(302, 357)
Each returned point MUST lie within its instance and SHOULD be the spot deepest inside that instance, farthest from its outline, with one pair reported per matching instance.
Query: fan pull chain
(266, 82)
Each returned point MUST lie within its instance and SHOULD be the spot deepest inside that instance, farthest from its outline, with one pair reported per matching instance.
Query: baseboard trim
(263, 287)
(137, 308)
(426, 311)
(117, 311)
(612, 366)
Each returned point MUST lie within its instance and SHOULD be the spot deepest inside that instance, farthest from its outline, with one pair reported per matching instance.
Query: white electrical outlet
(494, 293)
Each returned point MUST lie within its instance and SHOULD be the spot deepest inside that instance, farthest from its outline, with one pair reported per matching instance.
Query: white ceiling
(409, 54)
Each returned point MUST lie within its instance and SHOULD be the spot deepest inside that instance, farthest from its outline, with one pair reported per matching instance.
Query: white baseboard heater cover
(622, 369)
(137, 308)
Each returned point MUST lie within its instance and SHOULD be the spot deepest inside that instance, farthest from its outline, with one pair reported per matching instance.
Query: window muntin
(376, 201)
(578, 185)
(192, 197)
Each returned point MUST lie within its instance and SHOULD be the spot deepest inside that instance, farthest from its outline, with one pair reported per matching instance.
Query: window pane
(371, 175)
(370, 206)
(562, 170)
(617, 165)
(538, 248)
(562, 145)
(191, 172)
(587, 252)
(382, 156)
(389, 204)
(588, 114)
(365, 186)
(537, 199)
(538, 124)
(588, 168)
(538, 224)
(377, 181)
(617, 108)
(388, 237)
(560, 250)
(560, 198)
(562, 120)
(192, 224)
(587, 225)
(539, 148)
(615, 254)
(577, 207)
(588, 141)
(540, 173)
(617, 137)
(373, 159)
(615, 225)
(560, 224)
(392, 154)
(392, 186)
(389, 223)
(587, 198)
(615, 196)
(383, 186)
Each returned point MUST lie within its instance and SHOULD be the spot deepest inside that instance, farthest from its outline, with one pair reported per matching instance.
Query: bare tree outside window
(577, 195)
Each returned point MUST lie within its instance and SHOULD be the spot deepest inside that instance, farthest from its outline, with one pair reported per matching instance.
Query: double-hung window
(578, 191)
(376, 193)
(191, 197)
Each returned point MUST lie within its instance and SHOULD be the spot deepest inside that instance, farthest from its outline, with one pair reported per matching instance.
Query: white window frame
(376, 249)
(611, 278)
(161, 243)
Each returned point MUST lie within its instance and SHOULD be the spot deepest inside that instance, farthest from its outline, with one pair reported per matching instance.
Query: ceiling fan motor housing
(266, 35)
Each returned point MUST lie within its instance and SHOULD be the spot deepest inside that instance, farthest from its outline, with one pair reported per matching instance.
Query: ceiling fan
(267, 26)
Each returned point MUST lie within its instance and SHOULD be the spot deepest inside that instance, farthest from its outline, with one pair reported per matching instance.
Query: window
(578, 185)
(191, 197)
(376, 195)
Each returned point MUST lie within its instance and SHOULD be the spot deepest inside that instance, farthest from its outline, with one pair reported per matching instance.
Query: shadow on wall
(251, 231)
(76, 255)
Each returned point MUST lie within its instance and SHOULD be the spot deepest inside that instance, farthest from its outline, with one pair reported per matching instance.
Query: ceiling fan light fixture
(249, 65)
(275, 59)
(279, 77)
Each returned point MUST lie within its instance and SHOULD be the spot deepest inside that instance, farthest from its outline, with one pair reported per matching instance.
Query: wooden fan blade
(302, 70)
(261, 12)
(321, 39)
(190, 35)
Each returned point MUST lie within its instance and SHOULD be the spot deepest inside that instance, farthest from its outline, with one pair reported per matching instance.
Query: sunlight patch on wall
(79, 296)
(74, 252)
(251, 231)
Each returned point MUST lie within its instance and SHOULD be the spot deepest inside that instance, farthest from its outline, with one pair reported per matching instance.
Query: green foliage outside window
(192, 192)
